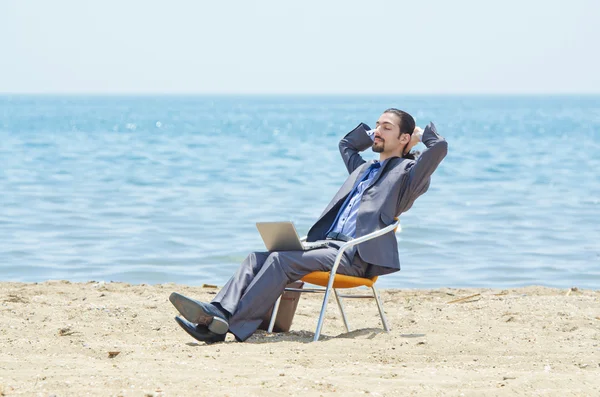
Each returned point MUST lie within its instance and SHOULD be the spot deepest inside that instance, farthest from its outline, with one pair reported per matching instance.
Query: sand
(55, 339)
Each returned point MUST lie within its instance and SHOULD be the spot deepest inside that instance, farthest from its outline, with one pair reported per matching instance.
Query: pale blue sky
(308, 46)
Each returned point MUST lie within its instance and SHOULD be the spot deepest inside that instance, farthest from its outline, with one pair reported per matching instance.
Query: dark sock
(226, 314)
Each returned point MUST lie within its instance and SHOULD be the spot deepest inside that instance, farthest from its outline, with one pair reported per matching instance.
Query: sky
(300, 47)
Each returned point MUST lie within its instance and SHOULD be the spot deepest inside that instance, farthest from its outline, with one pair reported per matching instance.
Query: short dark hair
(407, 126)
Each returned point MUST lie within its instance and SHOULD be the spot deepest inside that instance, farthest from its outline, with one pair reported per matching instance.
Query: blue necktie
(373, 167)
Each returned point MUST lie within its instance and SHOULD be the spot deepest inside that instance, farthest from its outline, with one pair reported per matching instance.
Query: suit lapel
(348, 186)
(361, 175)
(380, 173)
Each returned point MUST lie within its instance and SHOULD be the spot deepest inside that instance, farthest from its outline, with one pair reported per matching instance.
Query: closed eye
(387, 125)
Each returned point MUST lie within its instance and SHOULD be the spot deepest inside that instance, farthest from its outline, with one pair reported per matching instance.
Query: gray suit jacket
(392, 192)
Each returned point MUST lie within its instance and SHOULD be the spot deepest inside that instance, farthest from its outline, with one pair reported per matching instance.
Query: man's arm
(354, 142)
(420, 173)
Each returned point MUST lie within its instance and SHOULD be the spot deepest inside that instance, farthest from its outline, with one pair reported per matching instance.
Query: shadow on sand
(261, 337)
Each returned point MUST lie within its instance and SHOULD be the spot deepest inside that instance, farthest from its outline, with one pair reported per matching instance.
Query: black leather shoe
(199, 332)
(200, 313)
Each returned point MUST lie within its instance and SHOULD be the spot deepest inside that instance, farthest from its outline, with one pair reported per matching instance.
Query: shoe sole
(194, 313)
(197, 337)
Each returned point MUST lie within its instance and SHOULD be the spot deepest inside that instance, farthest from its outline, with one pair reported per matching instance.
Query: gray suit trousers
(262, 277)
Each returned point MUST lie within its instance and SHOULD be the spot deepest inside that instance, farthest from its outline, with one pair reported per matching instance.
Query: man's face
(387, 134)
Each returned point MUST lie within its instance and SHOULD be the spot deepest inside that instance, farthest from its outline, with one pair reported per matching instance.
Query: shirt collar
(383, 163)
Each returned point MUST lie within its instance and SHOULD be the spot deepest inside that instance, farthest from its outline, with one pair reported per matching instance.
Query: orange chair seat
(340, 281)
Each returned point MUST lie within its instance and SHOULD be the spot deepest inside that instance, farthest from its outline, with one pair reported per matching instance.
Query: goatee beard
(377, 148)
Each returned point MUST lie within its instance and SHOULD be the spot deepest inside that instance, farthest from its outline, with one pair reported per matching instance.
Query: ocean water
(156, 189)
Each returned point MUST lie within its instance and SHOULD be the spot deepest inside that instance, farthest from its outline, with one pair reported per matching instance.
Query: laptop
(282, 236)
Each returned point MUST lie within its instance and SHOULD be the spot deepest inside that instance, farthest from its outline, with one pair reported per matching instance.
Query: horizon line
(354, 94)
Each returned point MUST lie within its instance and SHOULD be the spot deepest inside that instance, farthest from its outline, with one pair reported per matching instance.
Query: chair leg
(380, 307)
(338, 298)
(322, 315)
(274, 314)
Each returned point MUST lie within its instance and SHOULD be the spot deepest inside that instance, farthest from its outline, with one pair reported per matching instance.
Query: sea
(166, 188)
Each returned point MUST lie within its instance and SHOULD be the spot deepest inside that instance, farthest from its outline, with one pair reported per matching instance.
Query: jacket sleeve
(420, 173)
(354, 142)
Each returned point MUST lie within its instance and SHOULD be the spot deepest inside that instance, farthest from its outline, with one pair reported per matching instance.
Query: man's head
(393, 132)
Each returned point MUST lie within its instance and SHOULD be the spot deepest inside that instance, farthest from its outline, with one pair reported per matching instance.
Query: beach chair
(332, 281)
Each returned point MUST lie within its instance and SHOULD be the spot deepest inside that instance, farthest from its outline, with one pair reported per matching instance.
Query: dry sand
(55, 339)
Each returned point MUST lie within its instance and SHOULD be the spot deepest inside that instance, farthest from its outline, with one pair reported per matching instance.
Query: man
(373, 195)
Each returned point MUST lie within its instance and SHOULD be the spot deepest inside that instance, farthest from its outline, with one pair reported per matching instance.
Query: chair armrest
(372, 235)
(359, 240)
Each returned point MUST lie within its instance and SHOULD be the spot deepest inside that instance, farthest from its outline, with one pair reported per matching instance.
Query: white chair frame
(338, 296)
